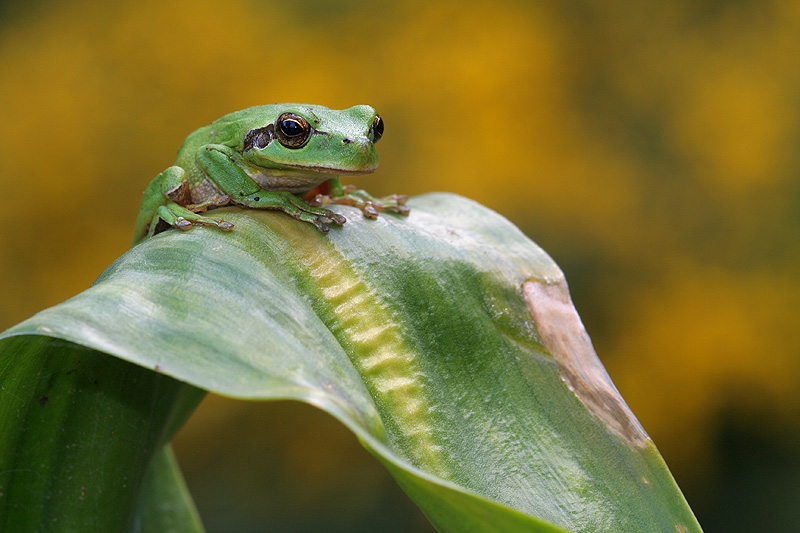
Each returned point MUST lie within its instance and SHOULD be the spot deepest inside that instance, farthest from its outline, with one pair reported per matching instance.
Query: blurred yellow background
(651, 148)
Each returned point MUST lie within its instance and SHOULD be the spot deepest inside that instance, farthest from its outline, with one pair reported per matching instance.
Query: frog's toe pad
(336, 218)
(320, 224)
(182, 223)
(369, 210)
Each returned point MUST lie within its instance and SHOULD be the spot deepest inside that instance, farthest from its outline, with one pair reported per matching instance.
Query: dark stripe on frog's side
(269, 131)
(251, 136)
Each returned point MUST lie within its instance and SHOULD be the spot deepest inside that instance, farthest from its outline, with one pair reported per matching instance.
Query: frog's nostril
(347, 140)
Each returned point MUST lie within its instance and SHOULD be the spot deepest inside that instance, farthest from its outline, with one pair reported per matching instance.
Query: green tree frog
(287, 157)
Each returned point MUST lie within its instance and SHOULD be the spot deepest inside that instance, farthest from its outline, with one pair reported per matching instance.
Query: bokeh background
(650, 147)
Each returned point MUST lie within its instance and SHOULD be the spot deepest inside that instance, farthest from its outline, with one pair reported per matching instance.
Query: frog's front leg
(350, 195)
(217, 161)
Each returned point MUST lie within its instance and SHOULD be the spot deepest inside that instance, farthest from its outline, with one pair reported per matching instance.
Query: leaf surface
(446, 341)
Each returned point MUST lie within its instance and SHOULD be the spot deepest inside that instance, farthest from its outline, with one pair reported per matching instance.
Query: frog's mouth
(333, 171)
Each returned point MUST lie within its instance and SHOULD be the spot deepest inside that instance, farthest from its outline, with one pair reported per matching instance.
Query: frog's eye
(293, 131)
(376, 130)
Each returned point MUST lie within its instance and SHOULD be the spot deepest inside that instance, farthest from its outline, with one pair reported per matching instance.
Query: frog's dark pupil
(291, 127)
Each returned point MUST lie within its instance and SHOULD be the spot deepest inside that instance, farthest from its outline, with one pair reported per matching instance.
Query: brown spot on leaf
(563, 335)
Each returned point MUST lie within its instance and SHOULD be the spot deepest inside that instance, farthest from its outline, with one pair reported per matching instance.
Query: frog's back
(227, 130)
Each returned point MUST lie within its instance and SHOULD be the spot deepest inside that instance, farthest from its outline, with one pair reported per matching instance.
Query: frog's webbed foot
(182, 218)
(293, 206)
(394, 203)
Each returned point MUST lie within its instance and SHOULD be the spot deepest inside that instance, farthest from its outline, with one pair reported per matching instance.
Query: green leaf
(164, 504)
(79, 429)
(446, 341)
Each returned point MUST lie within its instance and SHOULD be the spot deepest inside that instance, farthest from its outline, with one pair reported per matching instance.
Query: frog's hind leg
(182, 218)
(174, 188)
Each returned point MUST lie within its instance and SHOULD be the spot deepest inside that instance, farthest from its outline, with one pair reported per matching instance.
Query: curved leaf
(78, 431)
(445, 341)
(164, 505)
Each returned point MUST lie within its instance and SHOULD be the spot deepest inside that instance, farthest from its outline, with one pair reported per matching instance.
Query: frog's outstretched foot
(394, 203)
(182, 218)
(293, 206)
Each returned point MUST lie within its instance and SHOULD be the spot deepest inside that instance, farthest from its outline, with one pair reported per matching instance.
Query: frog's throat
(292, 179)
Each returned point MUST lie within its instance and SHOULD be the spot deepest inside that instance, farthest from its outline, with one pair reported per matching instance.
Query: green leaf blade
(78, 431)
(417, 334)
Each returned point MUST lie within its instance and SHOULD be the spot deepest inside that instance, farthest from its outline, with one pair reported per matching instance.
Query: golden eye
(293, 131)
(376, 130)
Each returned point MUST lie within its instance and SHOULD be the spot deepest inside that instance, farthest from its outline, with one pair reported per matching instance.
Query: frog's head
(306, 140)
